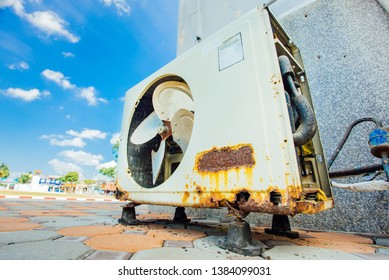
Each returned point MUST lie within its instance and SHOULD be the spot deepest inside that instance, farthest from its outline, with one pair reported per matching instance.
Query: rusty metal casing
(241, 152)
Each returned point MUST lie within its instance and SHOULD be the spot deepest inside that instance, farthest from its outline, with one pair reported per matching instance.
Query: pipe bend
(307, 128)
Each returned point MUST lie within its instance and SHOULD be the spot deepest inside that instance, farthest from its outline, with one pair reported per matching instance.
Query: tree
(24, 178)
(89, 181)
(70, 177)
(4, 171)
(115, 149)
(108, 171)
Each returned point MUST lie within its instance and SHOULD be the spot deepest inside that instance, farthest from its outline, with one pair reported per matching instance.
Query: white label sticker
(230, 52)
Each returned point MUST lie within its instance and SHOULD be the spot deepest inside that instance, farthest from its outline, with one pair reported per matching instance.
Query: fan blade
(182, 125)
(157, 159)
(147, 129)
(171, 96)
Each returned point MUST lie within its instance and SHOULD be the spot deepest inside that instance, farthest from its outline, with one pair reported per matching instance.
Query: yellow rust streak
(313, 207)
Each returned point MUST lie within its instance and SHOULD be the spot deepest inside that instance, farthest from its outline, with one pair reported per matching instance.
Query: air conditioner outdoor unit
(223, 125)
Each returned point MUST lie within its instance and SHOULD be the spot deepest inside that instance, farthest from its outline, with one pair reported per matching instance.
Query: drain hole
(275, 198)
(242, 197)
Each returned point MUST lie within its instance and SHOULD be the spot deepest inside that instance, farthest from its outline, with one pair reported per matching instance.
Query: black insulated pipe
(347, 134)
(356, 171)
(307, 126)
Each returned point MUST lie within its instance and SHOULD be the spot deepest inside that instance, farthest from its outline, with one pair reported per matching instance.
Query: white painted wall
(202, 18)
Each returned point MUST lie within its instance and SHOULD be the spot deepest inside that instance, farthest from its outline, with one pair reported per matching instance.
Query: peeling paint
(225, 158)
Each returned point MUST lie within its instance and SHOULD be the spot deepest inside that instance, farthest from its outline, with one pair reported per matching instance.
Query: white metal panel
(242, 104)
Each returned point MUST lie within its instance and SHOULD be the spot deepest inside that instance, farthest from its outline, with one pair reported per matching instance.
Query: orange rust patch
(18, 226)
(12, 220)
(312, 207)
(121, 194)
(295, 191)
(89, 230)
(185, 197)
(199, 190)
(225, 158)
(124, 242)
(176, 234)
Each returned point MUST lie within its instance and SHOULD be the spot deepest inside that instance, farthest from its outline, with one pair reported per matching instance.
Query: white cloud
(88, 134)
(50, 136)
(47, 21)
(89, 94)
(81, 157)
(35, 1)
(68, 116)
(121, 6)
(108, 164)
(25, 95)
(46, 93)
(115, 138)
(63, 167)
(19, 66)
(11, 4)
(68, 54)
(58, 78)
(74, 138)
(75, 142)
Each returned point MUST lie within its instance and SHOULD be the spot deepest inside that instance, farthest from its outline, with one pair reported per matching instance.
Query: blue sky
(64, 69)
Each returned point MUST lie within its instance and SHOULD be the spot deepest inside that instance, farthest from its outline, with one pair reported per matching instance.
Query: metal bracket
(180, 216)
(281, 227)
(128, 215)
(239, 240)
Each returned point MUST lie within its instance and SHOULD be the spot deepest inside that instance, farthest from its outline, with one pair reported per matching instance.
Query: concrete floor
(79, 230)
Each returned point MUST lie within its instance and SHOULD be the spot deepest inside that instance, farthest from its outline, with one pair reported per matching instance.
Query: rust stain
(268, 207)
(121, 194)
(258, 201)
(313, 207)
(225, 158)
(275, 80)
(295, 192)
(185, 197)
(199, 190)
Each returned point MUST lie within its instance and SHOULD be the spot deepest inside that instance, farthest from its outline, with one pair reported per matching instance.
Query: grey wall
(344, 45)
(345, 48)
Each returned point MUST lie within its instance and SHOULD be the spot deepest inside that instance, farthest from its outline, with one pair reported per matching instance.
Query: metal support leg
(128, 215)
(180, 216)
(239, 240)
(281, 226)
